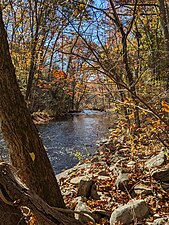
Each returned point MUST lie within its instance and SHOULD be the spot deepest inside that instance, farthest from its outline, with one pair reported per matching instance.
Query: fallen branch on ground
(15, 193)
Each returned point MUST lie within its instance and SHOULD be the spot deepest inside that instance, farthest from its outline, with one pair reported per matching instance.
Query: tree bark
(10, 215)
(21, 197)
(26, 150)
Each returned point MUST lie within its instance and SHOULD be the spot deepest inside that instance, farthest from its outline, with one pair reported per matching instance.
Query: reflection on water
(79, 132)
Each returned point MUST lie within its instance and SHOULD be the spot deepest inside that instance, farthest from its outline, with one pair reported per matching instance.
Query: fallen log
(10, 215)
(13, 192)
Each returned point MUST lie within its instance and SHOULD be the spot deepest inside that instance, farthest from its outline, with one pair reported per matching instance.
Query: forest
(79, 62)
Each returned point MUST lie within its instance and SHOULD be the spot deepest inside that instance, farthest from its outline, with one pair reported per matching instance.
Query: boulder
(161, 221)
(76, 180)
(137, 209)
(122, 182)
(157, 160)
(83, 218)
(85, 186)
(161, 174)
(67, 173)
(64, 174)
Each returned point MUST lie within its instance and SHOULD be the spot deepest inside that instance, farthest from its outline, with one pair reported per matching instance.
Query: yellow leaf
(32, 155)
(165, 106)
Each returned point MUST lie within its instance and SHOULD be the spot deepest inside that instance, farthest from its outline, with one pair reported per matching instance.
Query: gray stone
(68, 172)
(82, 207)
(85, 187)
(122, 182)
(76, 180)
(103, 178)
(161, 174)
(157, 160)
(69, 192)
(137, 209)
(64, 174)
(161, 221)
(131, 164)
(143, 189)
(116, 168)
(103, 141)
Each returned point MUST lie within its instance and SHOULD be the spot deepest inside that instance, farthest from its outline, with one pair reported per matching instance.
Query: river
(72, 138)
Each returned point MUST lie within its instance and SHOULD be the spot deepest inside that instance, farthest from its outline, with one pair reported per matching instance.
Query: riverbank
(45, 117)
(125, 182)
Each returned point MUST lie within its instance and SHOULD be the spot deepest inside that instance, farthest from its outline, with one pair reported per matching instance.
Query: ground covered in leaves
(123, 152)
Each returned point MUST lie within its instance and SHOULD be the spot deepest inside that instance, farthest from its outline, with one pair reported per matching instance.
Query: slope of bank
(125, 182)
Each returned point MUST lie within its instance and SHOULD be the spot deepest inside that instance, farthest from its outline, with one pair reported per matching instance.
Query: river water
(72, 138)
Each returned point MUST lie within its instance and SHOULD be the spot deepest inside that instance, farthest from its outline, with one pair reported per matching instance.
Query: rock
(82, 207)
(64, 174)
(131, 164)
(103, 141)
(69, 172)
(103, 178)
(94, 194)
(76, 180)
(143, 189)
(161, 221)
(116, 168)
(85, 187)
(157, 160)
(69, 192)
(122, 182)
(161, 174)
(137, 209)
(98, 214)
(75, 201)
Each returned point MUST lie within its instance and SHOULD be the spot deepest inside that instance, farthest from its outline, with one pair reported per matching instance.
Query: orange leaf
(59, 74)
(165, 106)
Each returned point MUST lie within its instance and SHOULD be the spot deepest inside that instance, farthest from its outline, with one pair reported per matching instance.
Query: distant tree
(164, 16)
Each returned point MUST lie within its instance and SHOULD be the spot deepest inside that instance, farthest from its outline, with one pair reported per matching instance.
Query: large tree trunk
(20, 197)
(25, 147)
